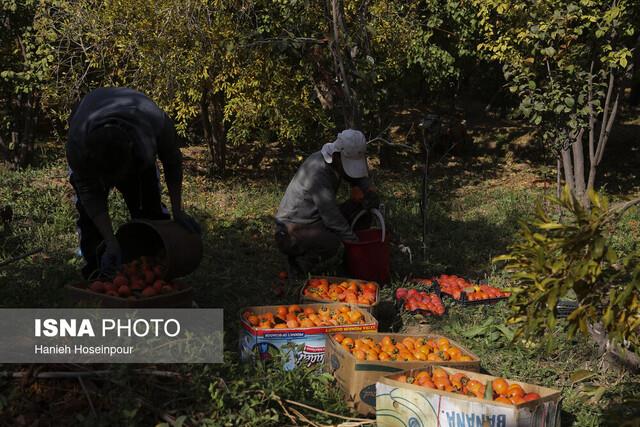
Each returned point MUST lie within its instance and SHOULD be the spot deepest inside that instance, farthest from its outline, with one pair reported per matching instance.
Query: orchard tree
(568, 63)
(211, 65)
(174, 52)
(575, 256)
(254, 73)
(25, 54)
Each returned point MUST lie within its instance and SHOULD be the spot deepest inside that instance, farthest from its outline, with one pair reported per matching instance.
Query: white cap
(352, 146)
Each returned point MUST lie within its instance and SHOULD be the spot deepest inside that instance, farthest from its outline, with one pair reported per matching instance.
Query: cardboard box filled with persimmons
(357, 360)
(298, 332)
(362, 293)
(441, 396)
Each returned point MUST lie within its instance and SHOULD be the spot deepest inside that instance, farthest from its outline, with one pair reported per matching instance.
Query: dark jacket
(151, 130)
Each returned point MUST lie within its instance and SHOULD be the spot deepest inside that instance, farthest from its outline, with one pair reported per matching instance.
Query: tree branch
(578, 167)
(609, 125)
(621, 207)
(605, 114)
(592, 119)
(568, 168)
(336, 23)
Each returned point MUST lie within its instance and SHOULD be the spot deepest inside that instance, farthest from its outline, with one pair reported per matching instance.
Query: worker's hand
(111, 258)
(187, 221)
(371, 200)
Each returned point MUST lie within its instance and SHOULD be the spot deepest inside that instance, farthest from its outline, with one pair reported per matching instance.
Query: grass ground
(475, 204)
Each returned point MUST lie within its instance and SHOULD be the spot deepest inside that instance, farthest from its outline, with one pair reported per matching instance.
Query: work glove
(371, 200)
(111, 259)
(187, 221)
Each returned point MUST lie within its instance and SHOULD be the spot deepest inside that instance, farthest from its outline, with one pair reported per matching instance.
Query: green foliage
(264, 70)
(25, 53)
(24, 68)
(245, 395)
(573, 255)
(550, 50)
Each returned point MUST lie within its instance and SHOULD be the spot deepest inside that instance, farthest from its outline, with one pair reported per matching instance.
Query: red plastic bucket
(368, 258)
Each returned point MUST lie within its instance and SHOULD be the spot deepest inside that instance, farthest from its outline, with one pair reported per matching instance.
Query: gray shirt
(311, 197)
(152, 130)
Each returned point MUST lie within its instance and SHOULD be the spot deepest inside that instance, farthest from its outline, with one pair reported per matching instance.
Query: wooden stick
(79, 374)
(356, 424)
(304, 419)
(331, 414)
(284, 408)
(19, 257)
(86, 393)
(52, 375)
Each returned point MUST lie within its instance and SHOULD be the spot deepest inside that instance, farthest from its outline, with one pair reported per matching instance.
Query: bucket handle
(375, 213)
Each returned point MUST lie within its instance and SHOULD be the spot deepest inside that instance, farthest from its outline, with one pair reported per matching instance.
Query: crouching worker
(115, 135)
(310, 225)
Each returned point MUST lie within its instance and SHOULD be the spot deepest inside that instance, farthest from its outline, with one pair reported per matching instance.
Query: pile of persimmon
(141, 278)
(414, 300)
(406, 349)
(455, 286)
(351, 292)
(499, 389)
(294, 316)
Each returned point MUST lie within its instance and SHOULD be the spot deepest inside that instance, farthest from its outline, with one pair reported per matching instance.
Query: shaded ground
(474, 205)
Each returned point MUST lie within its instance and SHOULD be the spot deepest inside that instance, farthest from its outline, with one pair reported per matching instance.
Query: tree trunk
(558, 177)
(212, 115)
(343, 63)
(385, 155)
(596, 153)
(219, 131)
(207, 131)
(567, 166)
(23, 142)
(578, 169)
(574, 163)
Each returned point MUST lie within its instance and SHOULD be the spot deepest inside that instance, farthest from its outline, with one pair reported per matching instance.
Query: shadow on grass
(618, 172)
(623, 409)
(458, 241)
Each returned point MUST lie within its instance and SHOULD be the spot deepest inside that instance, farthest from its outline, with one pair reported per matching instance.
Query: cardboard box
(332, 279)
(300, 345)
(401, 404)
(358, 378)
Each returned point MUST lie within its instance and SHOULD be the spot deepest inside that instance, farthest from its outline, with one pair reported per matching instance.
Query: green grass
(472, 218)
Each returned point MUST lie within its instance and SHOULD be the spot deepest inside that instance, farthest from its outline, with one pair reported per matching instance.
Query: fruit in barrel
(120, 280)
(137, 284)
(124, 291)
(98, 287)
(141, 278)
(149, 291)
(158, 271)
(158, 284)
(149, 277)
